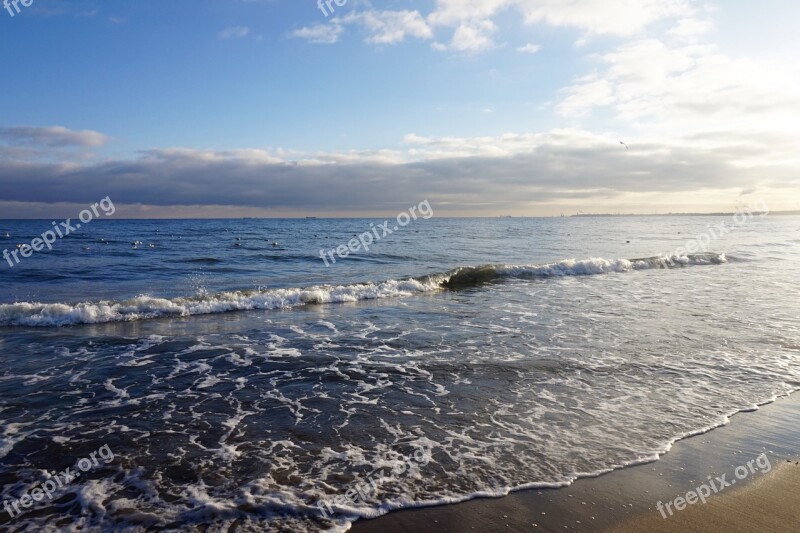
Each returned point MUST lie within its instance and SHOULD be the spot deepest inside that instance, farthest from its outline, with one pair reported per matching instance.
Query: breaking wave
(148, 307)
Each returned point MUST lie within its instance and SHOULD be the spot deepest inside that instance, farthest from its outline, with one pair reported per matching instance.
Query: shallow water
(242, 385)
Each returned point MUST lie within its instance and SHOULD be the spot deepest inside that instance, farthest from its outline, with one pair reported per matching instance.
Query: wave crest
(148, 307)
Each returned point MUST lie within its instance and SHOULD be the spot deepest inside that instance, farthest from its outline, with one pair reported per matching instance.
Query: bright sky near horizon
(483, 107)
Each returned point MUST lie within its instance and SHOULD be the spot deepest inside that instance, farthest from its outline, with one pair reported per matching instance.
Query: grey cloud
(542, 174)
(51, 136)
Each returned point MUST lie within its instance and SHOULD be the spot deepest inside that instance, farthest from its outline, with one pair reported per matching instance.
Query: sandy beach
(626, 500)
(767, 504)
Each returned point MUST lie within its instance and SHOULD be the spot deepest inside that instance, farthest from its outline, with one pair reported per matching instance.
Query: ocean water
(239, 381)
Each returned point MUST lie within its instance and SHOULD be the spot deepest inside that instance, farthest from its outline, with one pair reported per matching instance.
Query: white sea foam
(147, 307)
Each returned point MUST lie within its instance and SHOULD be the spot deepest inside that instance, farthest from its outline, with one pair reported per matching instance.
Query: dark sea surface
(243, 385)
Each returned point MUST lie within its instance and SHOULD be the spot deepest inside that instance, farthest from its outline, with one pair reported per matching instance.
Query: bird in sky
(625, 145)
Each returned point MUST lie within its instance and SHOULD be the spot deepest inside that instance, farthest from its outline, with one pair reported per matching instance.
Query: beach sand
(766, 504)
(625, 500)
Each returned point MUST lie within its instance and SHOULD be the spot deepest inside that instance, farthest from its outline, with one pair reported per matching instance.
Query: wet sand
(769, 503)
(768, 499)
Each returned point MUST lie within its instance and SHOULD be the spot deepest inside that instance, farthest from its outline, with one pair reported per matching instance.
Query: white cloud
(319, 33)
(390, 27)
(383, 27)
(234, 32)
(455, 12)
(471, 37)
(589, 92)
(690, 28)
(694, 91)
(690, 86)
(614, 17)
(529, 48)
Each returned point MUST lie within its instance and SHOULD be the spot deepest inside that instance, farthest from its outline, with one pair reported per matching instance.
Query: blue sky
(517, 104)
(164, 77)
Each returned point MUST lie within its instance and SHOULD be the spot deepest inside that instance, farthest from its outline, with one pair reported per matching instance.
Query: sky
(282, 108)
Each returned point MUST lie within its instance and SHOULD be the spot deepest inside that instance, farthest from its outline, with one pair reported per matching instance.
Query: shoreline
(625, 500)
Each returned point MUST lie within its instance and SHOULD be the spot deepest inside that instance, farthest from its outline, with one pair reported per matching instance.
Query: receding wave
(148, 307)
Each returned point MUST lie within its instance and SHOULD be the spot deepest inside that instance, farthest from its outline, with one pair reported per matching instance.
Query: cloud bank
(515, 173)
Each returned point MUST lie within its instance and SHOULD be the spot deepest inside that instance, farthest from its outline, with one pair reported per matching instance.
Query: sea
(237, 382)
